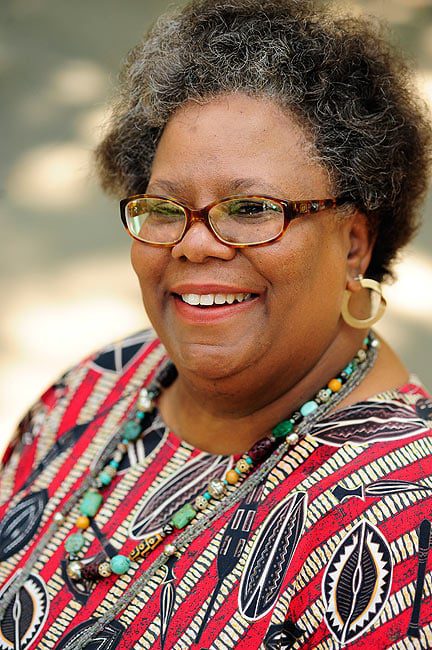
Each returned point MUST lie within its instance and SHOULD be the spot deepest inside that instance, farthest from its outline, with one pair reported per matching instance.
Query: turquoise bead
(349, 369)
(207, 496)
(74, 543)
(140, 415)
(249, 460)
(182, 517)
(308, 408)
(105, 478)
(131, 430)
(91, 503)
(120, 564)
(114, 464)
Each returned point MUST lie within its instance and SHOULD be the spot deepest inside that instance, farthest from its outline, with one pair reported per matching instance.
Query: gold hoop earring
(357, 323)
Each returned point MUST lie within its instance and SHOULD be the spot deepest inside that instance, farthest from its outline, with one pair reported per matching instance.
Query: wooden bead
(82, 522)
(335, 385)
(232, 477)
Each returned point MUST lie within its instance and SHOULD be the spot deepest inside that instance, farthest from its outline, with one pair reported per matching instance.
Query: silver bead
(217, 488)
(201, 502)
(293, 438)
(361, 355)
(73, 570)
(104, 569)
(145, 403)
(375, 343)
(324, 395)
(58, 517)
(170, 549)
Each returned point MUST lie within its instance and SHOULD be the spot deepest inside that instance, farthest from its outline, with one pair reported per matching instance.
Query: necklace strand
(190, 534)
(193, 531)
(97, 568)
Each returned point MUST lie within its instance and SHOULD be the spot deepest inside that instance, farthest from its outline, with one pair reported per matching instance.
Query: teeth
(209, 299)
(191, 298)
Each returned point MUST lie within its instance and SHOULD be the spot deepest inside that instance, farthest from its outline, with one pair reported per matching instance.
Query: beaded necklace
(193, 531)
(217, 489)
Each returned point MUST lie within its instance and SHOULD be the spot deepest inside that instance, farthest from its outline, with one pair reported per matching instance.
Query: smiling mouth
(212, 300)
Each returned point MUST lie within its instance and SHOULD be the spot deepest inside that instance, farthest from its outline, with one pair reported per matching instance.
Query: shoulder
(75, 398)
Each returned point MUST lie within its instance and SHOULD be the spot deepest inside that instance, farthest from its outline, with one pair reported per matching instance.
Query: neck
(221, 417)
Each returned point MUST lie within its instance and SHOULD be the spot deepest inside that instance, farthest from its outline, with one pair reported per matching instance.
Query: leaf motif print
(424, 546)
(25, 615)
(386, 487)
(357, 582)
(232, 544)
(65, 441)
(368, 422)
(20, 523)
(270, 556)
(107, 639)
(183, 486)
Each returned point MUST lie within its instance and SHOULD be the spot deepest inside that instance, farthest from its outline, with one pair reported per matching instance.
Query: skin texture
(241, 375)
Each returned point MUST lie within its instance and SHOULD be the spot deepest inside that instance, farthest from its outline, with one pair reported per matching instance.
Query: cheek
(148, 264)
(308, 270)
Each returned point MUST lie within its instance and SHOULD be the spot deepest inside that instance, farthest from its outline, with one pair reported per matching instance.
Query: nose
(199, 243)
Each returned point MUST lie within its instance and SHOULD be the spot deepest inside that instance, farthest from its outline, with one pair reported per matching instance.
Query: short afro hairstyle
(338, 74)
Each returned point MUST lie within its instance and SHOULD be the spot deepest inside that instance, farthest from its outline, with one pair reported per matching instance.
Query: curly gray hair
(337, 74)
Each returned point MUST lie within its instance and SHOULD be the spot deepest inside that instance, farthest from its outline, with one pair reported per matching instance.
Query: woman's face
(241, 145)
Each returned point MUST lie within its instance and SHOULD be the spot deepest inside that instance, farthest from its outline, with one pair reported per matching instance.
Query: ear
(360, 243)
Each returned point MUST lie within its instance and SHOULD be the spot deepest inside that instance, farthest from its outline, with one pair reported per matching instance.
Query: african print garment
(332, 551)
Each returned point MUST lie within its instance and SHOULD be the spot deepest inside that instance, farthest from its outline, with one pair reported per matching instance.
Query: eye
(251, 208)
(164, 209)
(246, 207)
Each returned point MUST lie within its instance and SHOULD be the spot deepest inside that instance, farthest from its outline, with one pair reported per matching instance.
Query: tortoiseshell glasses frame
(288, 211)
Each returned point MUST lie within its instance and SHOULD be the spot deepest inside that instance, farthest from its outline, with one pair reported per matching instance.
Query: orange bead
(335, 385)
(232, 477)
(82, 522)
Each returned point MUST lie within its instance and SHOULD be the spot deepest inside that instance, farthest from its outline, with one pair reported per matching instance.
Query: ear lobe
(360, 245)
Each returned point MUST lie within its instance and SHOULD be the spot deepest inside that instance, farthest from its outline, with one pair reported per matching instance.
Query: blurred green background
(66, 284)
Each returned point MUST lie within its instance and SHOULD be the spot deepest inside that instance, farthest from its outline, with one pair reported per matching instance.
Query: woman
(254, 473)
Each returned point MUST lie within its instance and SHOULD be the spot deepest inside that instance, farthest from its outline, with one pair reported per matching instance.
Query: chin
(211, 362)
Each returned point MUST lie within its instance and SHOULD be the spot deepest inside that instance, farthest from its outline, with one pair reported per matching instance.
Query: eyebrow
(179, 189)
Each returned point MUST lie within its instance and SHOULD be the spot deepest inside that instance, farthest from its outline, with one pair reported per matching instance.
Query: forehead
(236, 137)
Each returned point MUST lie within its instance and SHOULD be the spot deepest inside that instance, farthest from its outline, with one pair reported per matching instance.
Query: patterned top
(332, 550)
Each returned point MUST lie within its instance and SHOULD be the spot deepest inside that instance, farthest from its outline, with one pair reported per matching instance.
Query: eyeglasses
(236, 221)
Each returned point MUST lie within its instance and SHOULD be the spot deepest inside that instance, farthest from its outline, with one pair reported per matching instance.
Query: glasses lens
(247, 220)
(155, 220)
